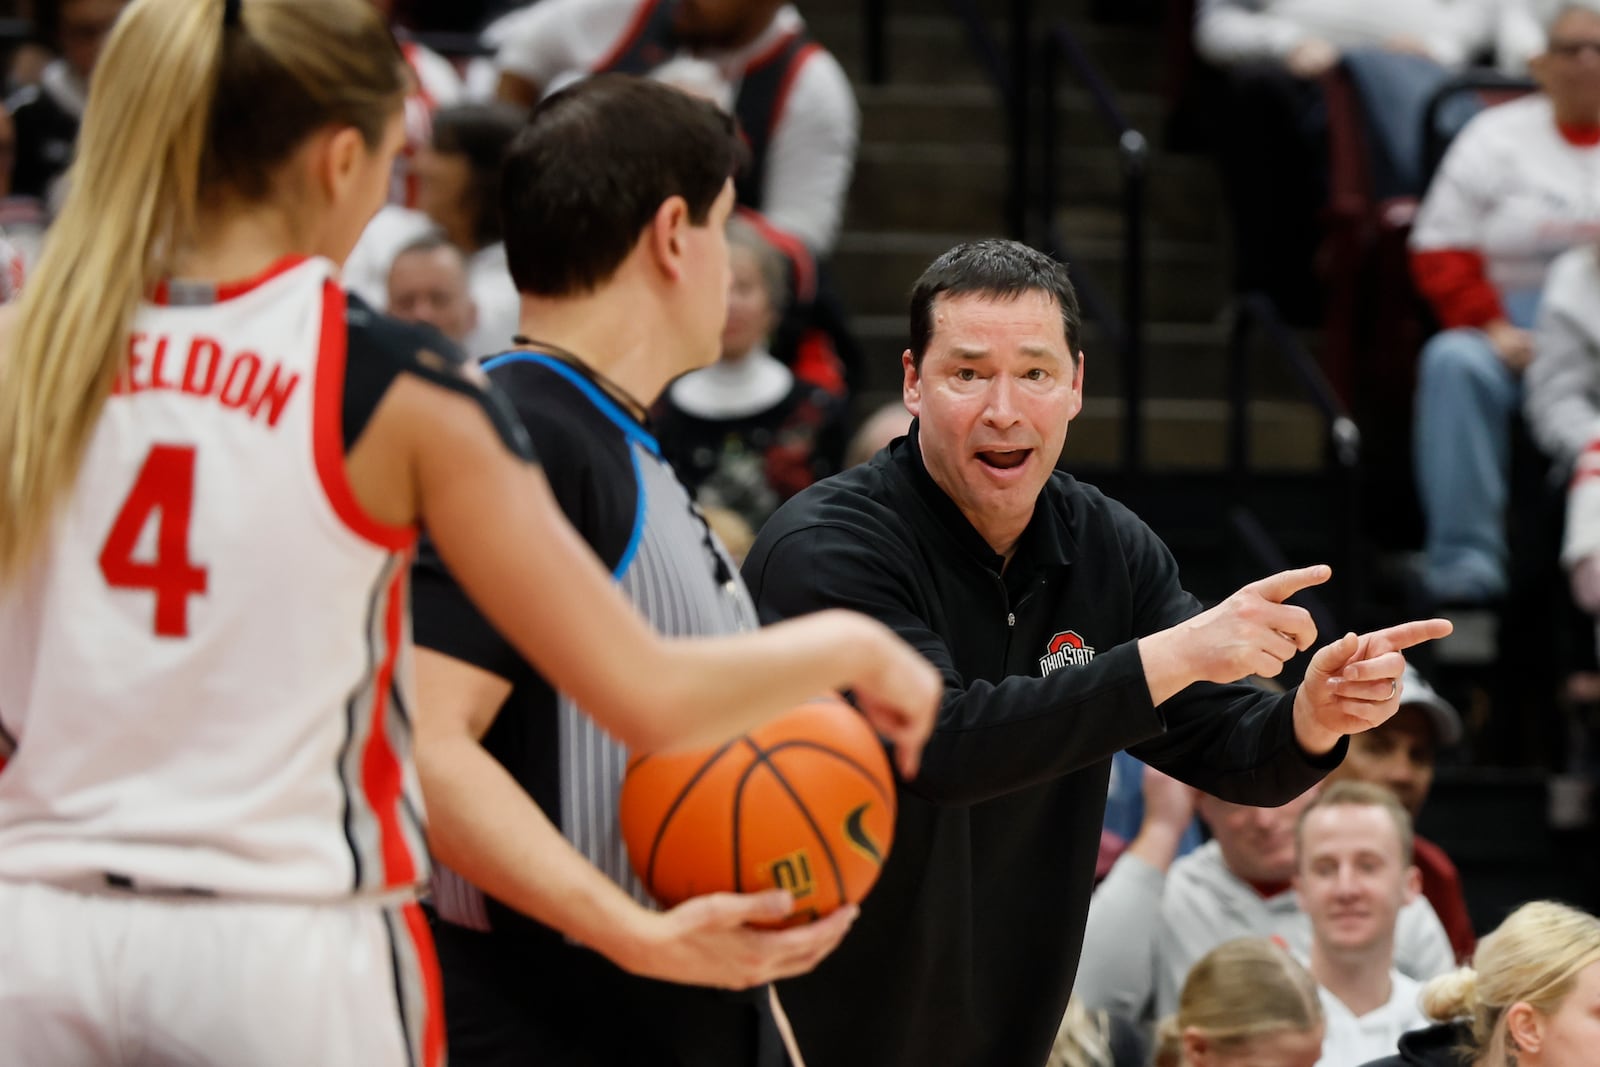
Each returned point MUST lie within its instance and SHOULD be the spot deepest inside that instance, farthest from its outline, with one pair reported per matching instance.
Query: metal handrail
(1063, 52)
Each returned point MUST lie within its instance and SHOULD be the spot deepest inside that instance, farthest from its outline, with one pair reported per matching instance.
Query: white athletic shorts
(103, 978)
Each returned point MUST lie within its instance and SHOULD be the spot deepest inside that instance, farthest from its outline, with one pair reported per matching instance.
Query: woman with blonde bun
(1246, 1003)
(1530, 999)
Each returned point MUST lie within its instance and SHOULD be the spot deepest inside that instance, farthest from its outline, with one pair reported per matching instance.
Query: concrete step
(942, 187)
(934, 48)
(1183, 283)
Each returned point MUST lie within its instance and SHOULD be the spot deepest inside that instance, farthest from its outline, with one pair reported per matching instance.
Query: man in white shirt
(1353, 875)
(793, 100)
(428, 283)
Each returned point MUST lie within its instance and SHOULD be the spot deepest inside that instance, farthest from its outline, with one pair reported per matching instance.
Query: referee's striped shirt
(608, 475)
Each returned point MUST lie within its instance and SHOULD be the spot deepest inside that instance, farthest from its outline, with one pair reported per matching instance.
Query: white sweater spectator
(1515, 190)
(813, 145)
(1228, 32)
(1146, 931)
(1562, 386)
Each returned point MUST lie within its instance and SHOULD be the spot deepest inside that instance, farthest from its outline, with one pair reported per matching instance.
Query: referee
(1063, 634)
(615, 197)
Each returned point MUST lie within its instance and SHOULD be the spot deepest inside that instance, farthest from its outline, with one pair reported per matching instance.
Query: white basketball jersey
(202, 678)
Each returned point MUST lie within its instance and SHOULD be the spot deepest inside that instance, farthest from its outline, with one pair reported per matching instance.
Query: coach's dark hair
(194, 103)
(593, 166)
(482, 133)
(992, 267)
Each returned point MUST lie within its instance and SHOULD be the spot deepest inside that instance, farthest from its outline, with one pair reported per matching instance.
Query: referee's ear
(911, 387)
(666, 237)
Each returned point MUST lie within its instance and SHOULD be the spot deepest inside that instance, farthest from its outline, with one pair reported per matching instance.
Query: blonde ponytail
(183, 112)
(131, 197)
(1451, 996)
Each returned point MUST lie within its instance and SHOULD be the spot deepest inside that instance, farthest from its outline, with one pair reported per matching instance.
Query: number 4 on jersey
(165, 484)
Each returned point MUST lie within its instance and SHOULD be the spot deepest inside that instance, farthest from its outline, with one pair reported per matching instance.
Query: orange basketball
(804, 803)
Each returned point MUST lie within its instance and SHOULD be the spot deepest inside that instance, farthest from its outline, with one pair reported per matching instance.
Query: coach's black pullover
(965, 952)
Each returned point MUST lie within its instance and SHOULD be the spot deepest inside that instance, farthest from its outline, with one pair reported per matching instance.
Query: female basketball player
(212, 468)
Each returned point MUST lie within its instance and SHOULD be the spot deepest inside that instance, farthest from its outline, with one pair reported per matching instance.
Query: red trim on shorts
(432, 985)
(381, 775)
(228, 290)
(641, 19)
(327, 434)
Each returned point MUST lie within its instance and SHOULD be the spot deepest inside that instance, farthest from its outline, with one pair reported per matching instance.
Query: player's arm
(484, 826)
(498, 529)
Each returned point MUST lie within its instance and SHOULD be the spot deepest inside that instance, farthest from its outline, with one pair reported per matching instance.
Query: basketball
(805, 803)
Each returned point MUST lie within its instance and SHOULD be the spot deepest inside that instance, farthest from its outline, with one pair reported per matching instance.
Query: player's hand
(899, 693)
(1353, 684)
(1251, 632)
(706, 941)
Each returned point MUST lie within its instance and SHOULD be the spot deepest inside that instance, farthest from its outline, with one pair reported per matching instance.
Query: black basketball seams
(738, 804)
(817, 746)
(672, 809)
(822, 839)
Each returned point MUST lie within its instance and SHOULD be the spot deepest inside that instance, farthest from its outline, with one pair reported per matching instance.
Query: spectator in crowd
(428, 283)
(877, 431)
(1562, 405)
(47, 115)
(1096, 1039)
(745, 433)
(459, 190)
(1272, 147)
(1531, 998)
(1400, 755)
(1519, 186)
(1353, 874)
(434, 84)
(1247, 1001)
(1153, 917)
(792, 99)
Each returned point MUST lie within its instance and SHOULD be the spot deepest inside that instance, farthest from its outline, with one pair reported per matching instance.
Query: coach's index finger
(1285, 584)
(1405, 635)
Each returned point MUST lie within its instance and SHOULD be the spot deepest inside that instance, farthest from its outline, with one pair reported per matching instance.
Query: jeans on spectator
(1395, 89)
(1466, 397)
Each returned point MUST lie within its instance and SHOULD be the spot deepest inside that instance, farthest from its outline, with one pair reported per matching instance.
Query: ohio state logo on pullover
(1066, 650)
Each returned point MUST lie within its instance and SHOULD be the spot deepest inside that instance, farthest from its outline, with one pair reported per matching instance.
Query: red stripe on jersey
(641, 19)
(382, 782)
(328, 430)
(432, 986)
(229, 290)
(1456, 283)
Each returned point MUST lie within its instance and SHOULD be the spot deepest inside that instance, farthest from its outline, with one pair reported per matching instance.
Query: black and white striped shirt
(608, 475)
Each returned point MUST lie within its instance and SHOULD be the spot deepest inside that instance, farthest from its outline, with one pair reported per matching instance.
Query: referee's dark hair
(592, 167)
(996, 268)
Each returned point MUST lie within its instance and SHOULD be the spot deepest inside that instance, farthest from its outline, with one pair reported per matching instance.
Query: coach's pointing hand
(1354, 684)
(1251, 632)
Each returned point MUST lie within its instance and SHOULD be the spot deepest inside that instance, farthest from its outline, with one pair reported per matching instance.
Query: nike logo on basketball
(857, 833)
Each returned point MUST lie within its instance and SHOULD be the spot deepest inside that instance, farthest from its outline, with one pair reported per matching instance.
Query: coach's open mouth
(1004, 459)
